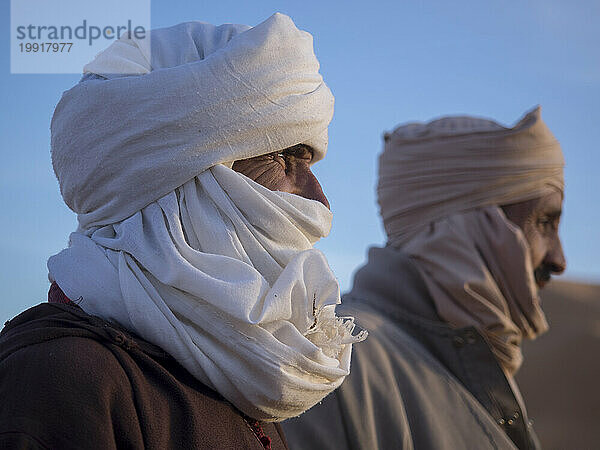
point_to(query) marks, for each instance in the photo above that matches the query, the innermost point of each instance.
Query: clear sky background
(386, 63)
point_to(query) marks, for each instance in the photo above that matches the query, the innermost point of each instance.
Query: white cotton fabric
(440, 188)
(219, 271)
(214, 95)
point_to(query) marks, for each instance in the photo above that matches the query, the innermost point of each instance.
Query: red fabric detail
(258, 432)
(56, 295)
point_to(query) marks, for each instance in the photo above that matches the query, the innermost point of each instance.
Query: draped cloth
(440, 188)
(194, 257)
(212, 95)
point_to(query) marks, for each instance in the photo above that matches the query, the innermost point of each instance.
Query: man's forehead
(550, 203)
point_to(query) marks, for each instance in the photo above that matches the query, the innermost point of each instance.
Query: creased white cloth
(220, 272)
(440, 188)
(214, 95)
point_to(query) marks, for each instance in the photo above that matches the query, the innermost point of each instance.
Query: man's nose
(312, 189)
(555, 258)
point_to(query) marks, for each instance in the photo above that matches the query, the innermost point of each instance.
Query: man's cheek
(537, 248)
(532, 238)
(274, 177)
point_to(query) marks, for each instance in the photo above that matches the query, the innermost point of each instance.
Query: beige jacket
(415, 383)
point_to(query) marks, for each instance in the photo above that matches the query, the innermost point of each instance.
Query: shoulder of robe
(60, 385)
(399, 392)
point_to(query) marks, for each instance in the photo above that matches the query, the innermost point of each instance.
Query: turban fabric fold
(204, 95)
(441, 185)
(453, 164)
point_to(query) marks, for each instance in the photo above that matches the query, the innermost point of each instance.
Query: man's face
(539, 219)
(286, 171)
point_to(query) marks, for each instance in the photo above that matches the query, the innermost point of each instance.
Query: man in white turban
(190, 309)
(471, 210)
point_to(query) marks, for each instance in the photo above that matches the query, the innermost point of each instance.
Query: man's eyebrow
(554, 213)
(300, 150)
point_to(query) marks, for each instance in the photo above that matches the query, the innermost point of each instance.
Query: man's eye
(279, 158)
(547, 223)
(299, 152)
(284, 158)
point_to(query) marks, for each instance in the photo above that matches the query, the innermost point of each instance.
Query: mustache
(543, 273)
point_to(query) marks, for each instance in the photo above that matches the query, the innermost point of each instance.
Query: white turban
(212, 95)
(202, 261)
(440, 188)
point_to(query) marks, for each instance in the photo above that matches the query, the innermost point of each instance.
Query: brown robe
(69, 380)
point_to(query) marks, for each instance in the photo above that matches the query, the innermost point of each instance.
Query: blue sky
(386, 63)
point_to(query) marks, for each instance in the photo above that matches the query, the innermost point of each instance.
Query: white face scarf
(220, 272)
(222, 275)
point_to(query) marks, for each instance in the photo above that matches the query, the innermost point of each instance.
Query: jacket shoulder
(54, 377)
(398, 395)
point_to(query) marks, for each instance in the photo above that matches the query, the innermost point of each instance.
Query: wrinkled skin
(539, 220)
(286, 171)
